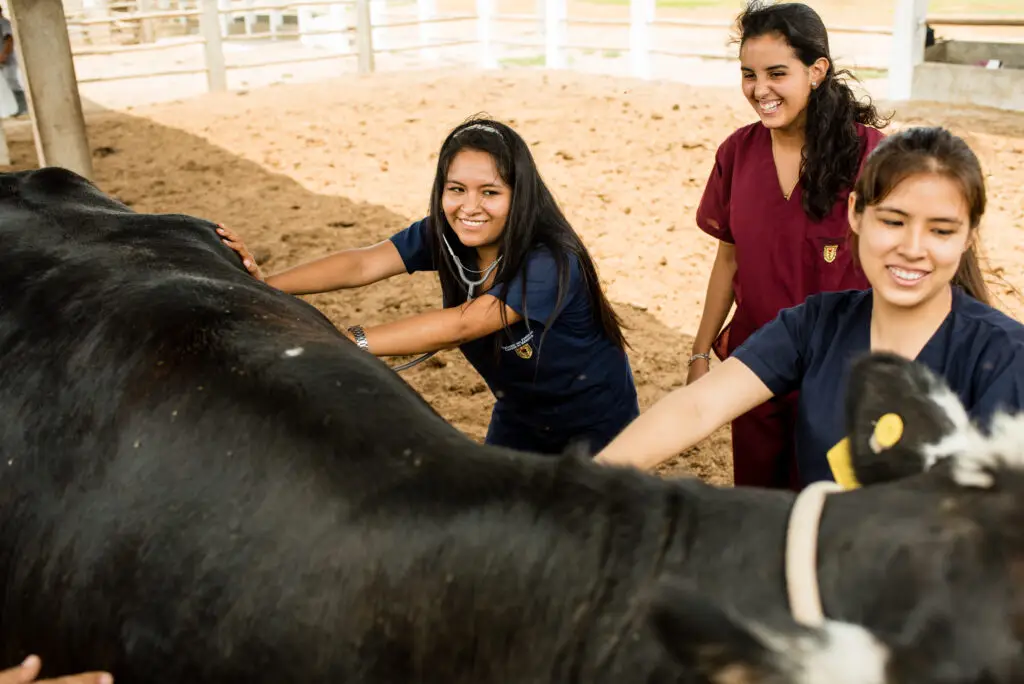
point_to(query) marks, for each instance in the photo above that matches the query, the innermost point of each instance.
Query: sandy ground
(303, 169)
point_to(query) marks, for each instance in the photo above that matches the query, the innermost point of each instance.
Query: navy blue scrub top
(576, 382)
(978, 350)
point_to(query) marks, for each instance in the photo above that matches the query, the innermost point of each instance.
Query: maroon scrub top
(782, 257)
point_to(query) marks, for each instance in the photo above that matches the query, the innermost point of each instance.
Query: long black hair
(534, 220)
(833, 149)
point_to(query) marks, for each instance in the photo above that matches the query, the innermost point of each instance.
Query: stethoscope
(470, 284)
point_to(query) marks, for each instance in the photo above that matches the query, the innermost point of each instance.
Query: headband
(482, 127)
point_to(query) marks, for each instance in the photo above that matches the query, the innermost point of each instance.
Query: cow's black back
(202, 480)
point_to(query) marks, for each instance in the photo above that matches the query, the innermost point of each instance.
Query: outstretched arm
(440, 329)
(338, 271)
(687, 415)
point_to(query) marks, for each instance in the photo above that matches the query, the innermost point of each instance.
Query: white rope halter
(802, 553)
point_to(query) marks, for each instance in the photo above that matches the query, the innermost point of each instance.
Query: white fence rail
(354, 24)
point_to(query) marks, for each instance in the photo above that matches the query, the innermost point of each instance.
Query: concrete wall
(975, 85)
(972, 52)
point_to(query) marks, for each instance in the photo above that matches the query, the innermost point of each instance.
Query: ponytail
(969, 276)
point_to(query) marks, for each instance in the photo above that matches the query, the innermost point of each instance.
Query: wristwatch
(357, 332)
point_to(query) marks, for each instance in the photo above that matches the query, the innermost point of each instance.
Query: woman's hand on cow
(248, 260)
(29, 670)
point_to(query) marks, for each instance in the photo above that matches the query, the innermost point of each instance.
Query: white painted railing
(334, 22)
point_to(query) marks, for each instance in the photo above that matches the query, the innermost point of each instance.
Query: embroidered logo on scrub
(829, 253)
(522, 348)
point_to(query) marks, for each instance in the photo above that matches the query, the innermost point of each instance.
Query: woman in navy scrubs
(520, 295)
(914, 216)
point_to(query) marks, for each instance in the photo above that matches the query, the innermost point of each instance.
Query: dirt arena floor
(304, 169)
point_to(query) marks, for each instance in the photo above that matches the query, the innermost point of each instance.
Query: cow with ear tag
(933, 527)
(203, 481)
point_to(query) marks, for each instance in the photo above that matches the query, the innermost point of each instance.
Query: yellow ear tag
(842, 468)
(888, 431)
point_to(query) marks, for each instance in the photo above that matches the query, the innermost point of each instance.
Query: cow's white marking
(981, 455)
(956, 441)
(841, 654)
(975, 455)
(293, 352)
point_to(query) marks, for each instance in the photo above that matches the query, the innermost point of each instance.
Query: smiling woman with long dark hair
(520, 295)
(776, 201)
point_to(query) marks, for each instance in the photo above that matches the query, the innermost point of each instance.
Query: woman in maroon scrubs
(776, 201)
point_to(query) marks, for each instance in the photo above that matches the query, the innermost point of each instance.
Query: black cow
(202, 481)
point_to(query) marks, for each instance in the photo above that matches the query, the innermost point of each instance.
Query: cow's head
(904, 420)
(723, 648)
(943, 551)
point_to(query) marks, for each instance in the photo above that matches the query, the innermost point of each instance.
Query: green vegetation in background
(867, 74)
(532, 61)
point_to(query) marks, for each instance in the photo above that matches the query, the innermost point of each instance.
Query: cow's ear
(897, 411)
(722, 649)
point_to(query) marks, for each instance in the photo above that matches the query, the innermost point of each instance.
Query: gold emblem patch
(524, 350)
(829, 253)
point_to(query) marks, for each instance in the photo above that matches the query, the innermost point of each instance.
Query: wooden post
(554, 34)
(226, 20)
(364, 37)
(340, 19)
(641, 14)
(209, 26)
(98, 34)
(484, 14)
(427, 10)
(147, 27)
(249, 19)
(378, 17)
(908, 34)
(51, 87)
